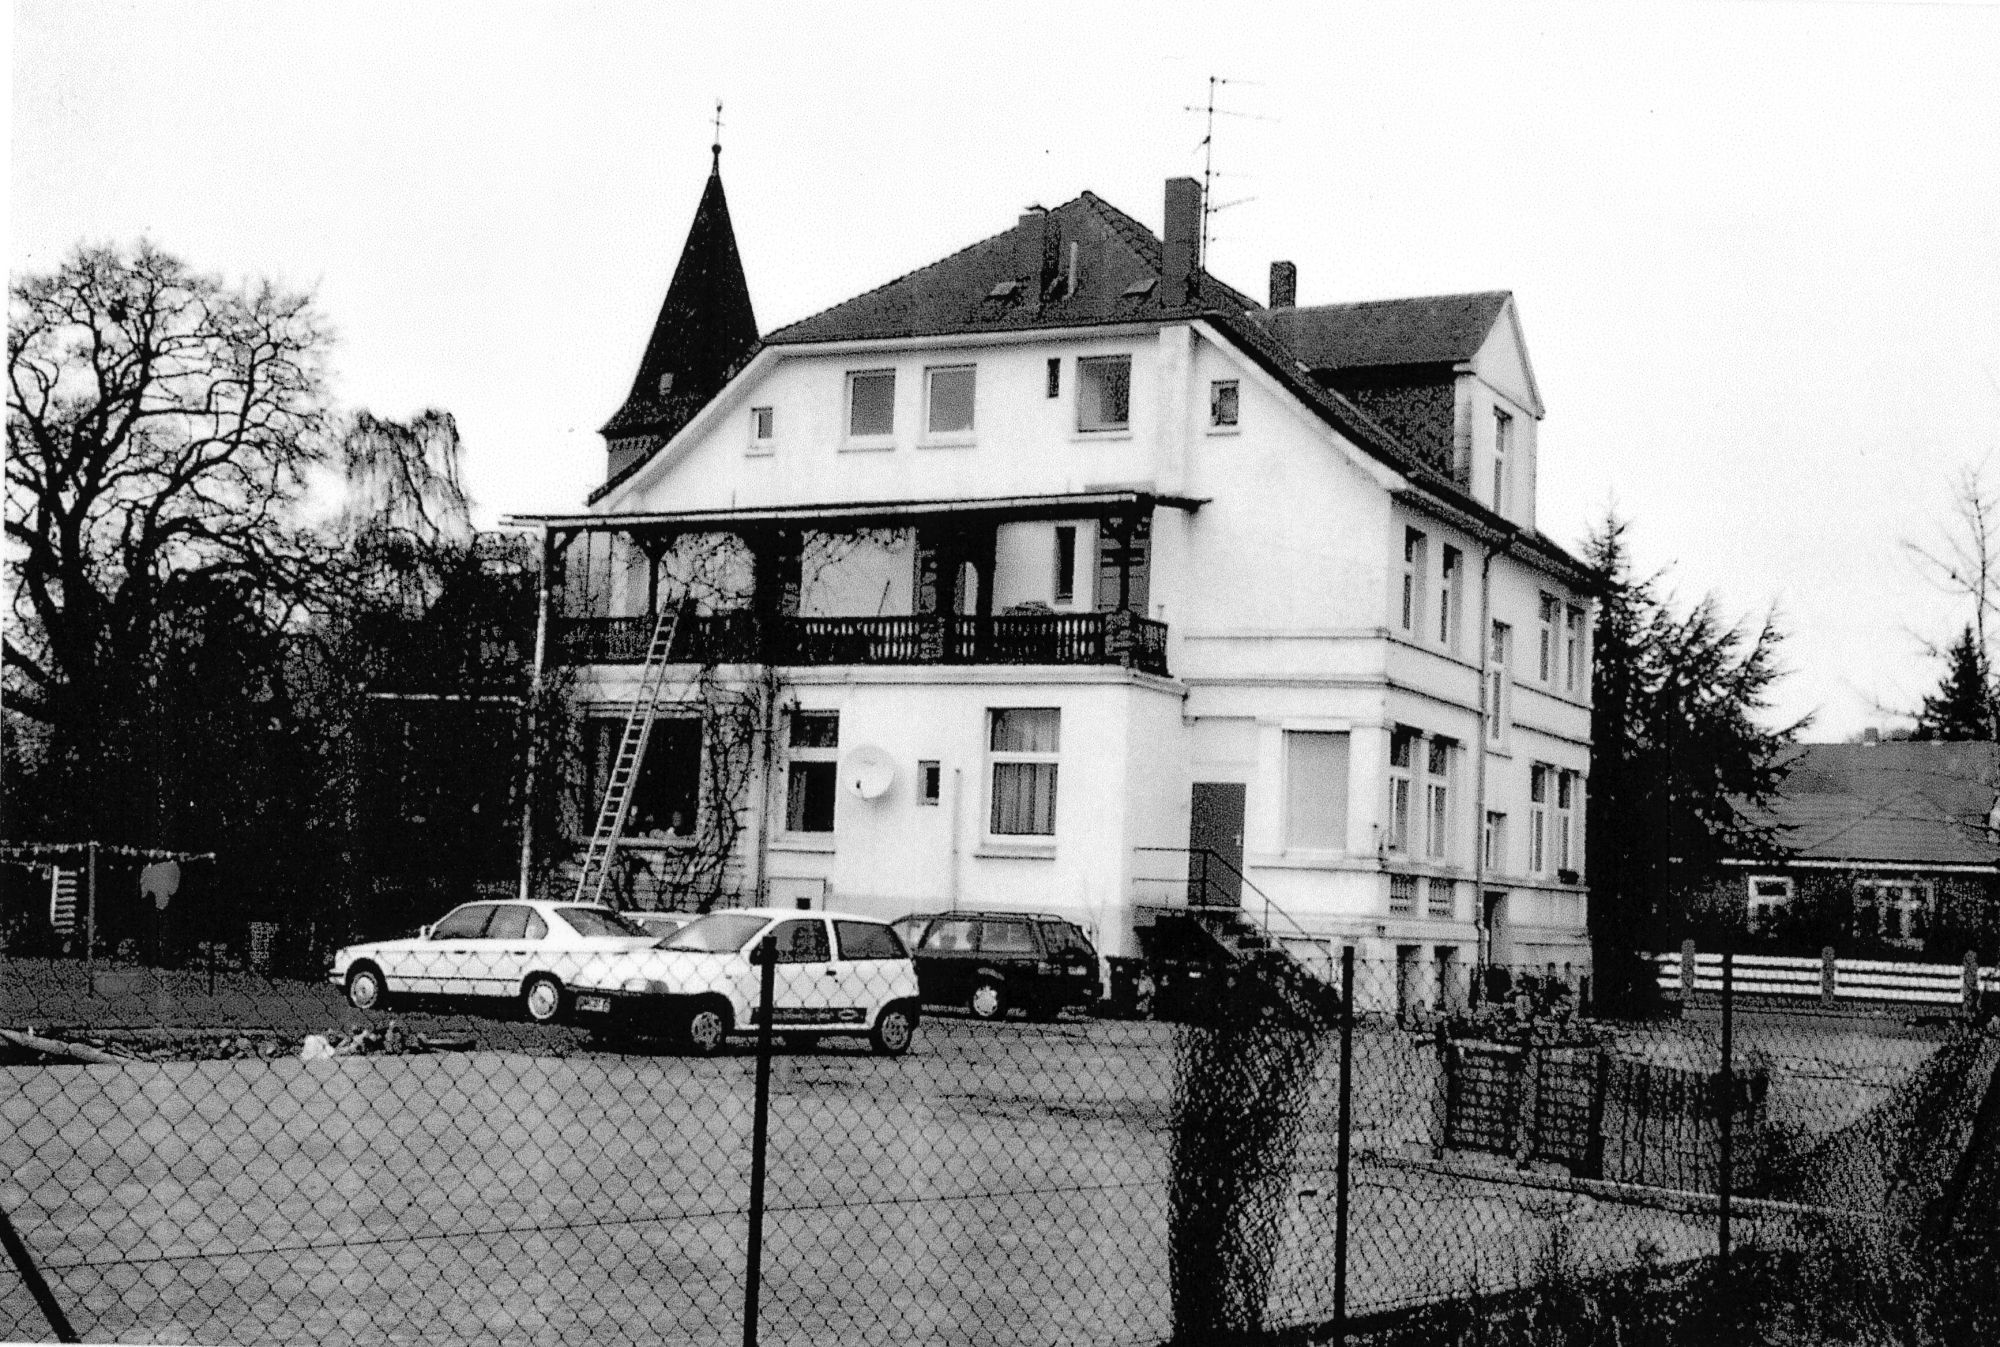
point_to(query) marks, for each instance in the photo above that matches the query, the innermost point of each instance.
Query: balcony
(1114, 638)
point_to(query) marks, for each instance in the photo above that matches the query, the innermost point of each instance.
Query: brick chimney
(1033, 257)
(1181, 242)
(1284, 285)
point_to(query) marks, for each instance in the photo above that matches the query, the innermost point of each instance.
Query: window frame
(930, 782)
(1503, 448)
(1089, 366)
(934, 436)
(997, 758)
(763, 430)
(1451, 572)
(1569, 789)
(806, 764)
(1326, 835)
(1538, 818)
(857, 439)
(1497, 686)
(1760, 909)
(1216, 390)
(1438, 783)
(1493, 842)
(1576, 649)
(1549, 612)
(1402, 789)
(1065, 559)
(1416, 555)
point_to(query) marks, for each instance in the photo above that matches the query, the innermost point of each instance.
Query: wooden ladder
(597, 857)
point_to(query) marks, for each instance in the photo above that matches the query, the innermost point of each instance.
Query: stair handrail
(1270, 907)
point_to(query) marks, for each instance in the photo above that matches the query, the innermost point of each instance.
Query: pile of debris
(27, 1047)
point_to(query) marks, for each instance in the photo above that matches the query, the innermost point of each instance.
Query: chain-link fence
(212, 1155)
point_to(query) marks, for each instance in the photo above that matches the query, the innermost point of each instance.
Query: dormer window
(1104, 392)
(871, 404)
(1503, 447)
(666, 384)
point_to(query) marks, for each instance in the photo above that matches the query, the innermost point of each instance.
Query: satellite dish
(868, 772)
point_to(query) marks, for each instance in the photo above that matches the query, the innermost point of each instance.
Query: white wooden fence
(1829, 980)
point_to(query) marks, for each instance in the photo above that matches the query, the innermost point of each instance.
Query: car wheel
(894, 1028)
(987, 1001)
(542, 999)
(365, 988)
(801, 1042)
(705, 1029)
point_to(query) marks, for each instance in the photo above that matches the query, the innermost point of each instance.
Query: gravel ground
(1003, 1184)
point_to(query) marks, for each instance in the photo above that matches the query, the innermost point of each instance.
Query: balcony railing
(1013, 638)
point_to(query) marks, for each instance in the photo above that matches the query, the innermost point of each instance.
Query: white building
(1135, 591)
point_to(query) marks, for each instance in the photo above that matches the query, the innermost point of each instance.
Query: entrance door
(1215, 844)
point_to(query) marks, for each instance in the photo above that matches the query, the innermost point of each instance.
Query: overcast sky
(1756, 246)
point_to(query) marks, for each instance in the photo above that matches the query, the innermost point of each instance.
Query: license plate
(601, 1004)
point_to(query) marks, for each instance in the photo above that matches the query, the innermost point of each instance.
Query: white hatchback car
(834, 974)
(528, 951)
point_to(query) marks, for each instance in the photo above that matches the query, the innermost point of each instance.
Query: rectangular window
(1441, 899)
(1104, 392)
(1222, 395)
(871, 404)
(1897, 912)
(949, 397)
(1402, 895)
(1538, 819)
(1402, 747)
(813, 746)
(763, 422)
(1024, 743)
(1448, 597)
(1503, 448)
(1574, 649)
(1055, 376)
(1414, 550)
(666, 796)
(1316, 790)
(1494, 842)
(1567, 789)
(1437, 799)
(1496, 698)
(1551, 615)
(1769, 896)
(930, 782)
(1065, 589)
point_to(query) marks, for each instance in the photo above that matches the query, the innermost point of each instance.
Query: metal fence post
(1346, 1131)
(37, 1286)
(1725, 1109)
(753, 1262)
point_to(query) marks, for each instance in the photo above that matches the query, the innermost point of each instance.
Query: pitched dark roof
(706, 330)
(1906, 803)
(970, 290)
(1431, 330)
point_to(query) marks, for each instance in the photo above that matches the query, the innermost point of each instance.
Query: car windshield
(596, 921)
(717, 933)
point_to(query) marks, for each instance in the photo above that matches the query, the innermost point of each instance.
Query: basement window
(1104, 393)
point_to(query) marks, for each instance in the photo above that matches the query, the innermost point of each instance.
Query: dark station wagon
(989, 962)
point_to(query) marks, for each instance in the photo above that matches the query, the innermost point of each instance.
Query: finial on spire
(716, 148)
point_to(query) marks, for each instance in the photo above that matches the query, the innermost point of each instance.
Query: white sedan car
(525, 951)
(834, 974)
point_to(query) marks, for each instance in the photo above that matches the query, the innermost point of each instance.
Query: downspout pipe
(531, 708)
(1491, 546)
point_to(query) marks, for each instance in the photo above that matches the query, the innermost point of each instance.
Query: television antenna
(1208, 170)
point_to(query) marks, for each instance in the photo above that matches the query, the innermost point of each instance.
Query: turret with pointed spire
(705, 333)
